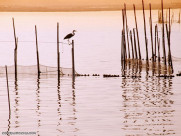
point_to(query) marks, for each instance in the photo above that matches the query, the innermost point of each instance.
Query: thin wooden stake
(121, 46)
(37, 53)
(145, 30)
(158, 43)
(136, 56)
(124, 44)
(159, 50)
(15, 50)
(124, 39)
(166, 16)
(73, 63)
(169, 22)
(127, 30)
(163, 35)
(170, 54)
(131, 39)
(8, 90)
(179, 17)
(15, 58)
(137, 32)
(122, 51)
(155, 43)
(58, 52)
(168, 39)
(151, 33)
(170, 43)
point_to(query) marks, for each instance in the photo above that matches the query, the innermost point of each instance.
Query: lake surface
(88, 106)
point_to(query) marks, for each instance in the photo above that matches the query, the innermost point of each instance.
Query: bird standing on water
(68, 36)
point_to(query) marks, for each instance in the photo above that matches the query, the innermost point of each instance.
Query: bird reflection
(147, 104)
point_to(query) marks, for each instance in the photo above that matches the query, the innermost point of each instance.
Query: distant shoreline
(82, 8)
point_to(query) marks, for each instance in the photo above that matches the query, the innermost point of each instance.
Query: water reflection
(16, 103)
(38, 111)
(9, 124)
(147, 105)
(73, 103)
(59, 106)
(155, 68)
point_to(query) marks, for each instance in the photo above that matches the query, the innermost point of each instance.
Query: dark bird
(68, 36)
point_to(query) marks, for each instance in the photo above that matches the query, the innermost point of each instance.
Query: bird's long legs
(69, 42)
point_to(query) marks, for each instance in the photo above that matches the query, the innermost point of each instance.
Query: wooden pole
(15, 58)
(136, 56)
(155, 42)
(158, 16)
(122, 45)
(179, 17)
(14, 31)
(73, 63)
(8, 90)
(127, 30)
(15, 50)
(151, 33)
(122, 51)
(137, 32)
(166, 16)
(169, 22)
(159, 66)
(170, 42)
(37, 53)
(172, 20)
(170, 54)
(124, 39)
(168, 39)
(58, 52)
(157, 35)
(163, 35)
(145, 31)
(131, 39)
(159, 50)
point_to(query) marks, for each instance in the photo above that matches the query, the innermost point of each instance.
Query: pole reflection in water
(9, 124)
(38, 111)
(66, 123)
(16, 103)
(59, 106)
(73, 103)
(147, 105)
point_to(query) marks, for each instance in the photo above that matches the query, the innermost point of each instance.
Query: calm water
(90, 106)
